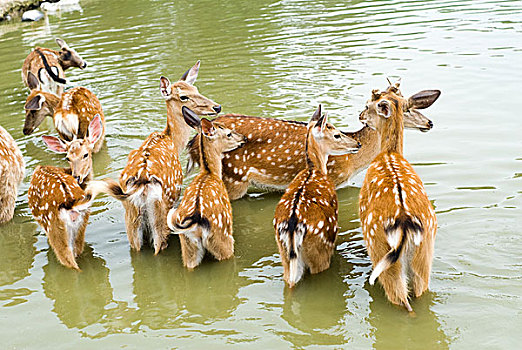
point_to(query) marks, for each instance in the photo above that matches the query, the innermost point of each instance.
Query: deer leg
(132, 224)
(421, 267)
(79, 242)
(317, 255)
(220, 245)
(235, 189)
(7, 204)
(395, 285)
(58, 240)
(160, 230)
(192, 250)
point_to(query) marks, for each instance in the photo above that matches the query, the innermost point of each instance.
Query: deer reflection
(17, 250)
(393, 328)
(167, 293)
(79, 298)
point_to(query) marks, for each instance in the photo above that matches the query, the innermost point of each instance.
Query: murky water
(280, 59)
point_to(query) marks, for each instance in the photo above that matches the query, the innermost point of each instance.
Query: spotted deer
(274, 152)
(305, 219)
(60, 198)
(12, 169)
(153, 174)
(397, 218)
(72, 112)
(203, 219)
(48, 66)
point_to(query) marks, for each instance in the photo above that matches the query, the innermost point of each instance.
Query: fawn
(397, 218)
(12, 169)
(60, 198)
(153, 174)
(274, 152)
(203, 219)
(305, 218)
(72, 112)
(48, 66)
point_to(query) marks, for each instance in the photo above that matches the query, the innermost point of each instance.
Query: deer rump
(403, 234)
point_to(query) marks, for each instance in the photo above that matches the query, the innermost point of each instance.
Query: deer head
(68, 57)
(413, 119)
(330, 140)
(215, 134)
(184, 93)
(38, 105)
(79, 151)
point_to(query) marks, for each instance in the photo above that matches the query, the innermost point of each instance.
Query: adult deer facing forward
(397, 218)
(274, 152)
(305, 219)
(204, 217)
(153, 174)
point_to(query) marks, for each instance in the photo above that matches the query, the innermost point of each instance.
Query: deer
(12, 170)
(49, 65)
(72, 111)
(60, 198)
(305, 218)
(397, 219)
(153, 175)
(273, 154)
(203, 219)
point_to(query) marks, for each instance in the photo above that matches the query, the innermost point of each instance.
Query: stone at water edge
(32, 15)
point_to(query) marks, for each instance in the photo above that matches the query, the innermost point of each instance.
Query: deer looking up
(153, 174)
(305, 219)
(397, 218)
(60, 198)
(48, 66)
(203, 219)
(72, 112)
(274, 152)
(12, 168)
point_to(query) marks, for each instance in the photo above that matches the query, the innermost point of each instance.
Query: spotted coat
(12, 169)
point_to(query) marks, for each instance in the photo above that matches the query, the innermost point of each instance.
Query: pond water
(279, 59)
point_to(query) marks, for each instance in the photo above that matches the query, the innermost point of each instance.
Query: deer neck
(316, 157)
(176, 128)
(209, 159)
(392, 135)
(52, 101)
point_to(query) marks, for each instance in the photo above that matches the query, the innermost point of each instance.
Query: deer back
(72, 116)
(156, 159)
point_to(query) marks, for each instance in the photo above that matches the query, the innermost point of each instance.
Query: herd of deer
(309, 160)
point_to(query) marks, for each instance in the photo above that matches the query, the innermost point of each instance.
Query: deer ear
(55, 144)
(35, 104)
(207, 128)
(62, 43)
(317, 114)
(190, 117)
(165, 87)
(423, 99)
(191, 75)
(32, 81)
(384, 108)
(95, 130)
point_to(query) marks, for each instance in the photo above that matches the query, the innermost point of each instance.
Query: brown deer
(153, 174)
(397, 218)
(203, 219)
(12, 168)
(72, 112)
(305, 218)
(273, 154)
(60, 198)
(49, 65)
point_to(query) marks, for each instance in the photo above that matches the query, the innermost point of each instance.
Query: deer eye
(85, 155)
(67, 159)
(184, 98)
(337, 136)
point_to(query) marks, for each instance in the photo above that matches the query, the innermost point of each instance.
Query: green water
(280, 59)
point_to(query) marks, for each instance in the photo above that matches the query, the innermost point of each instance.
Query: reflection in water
(168, 294)
(17, 250)
(393, 328)
(79, 298)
